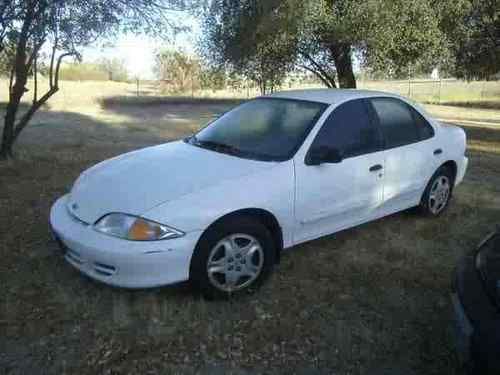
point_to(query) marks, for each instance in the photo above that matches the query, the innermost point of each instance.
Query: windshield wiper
(215, 146)
(227, 149)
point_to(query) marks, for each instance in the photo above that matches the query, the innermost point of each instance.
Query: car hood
(135, 182)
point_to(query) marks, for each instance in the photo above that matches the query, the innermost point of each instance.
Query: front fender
(271, 190)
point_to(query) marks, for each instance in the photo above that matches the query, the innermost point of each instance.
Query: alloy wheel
(235, 262)
(439, 194)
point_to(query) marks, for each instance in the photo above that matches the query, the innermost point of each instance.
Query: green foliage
(265, 40)
(256, 39)
(401, 36)
(212, 79)
(6, 59)
(477, 49)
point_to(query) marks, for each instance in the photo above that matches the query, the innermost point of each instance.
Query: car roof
(329, 96)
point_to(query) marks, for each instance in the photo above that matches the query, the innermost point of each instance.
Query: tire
(438, 192)
(233, 257)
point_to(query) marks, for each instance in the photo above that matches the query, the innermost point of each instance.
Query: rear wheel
(233, 257)
(437, 194)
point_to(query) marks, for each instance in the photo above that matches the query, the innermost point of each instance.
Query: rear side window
(425, 130)
(396, 122)
(350, 130)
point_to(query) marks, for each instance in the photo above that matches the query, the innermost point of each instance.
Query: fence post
(137, 86)
(439, 92)
(409, 81)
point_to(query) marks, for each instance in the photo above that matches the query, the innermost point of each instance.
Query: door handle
(438, 151)
(376, 167)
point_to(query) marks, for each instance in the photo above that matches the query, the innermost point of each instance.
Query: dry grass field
(369, 300)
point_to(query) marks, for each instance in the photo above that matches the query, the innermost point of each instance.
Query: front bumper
(118, 262)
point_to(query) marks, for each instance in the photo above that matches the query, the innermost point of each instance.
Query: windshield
(263, 129)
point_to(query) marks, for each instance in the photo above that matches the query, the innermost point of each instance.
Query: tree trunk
(16, 91)
(342, 56)
(8, 136)
(6, 148)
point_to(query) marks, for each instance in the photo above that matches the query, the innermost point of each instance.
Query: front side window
(349, 130)
(396, 122)
(263, 129)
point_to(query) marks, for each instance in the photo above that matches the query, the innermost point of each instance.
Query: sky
(138, 51)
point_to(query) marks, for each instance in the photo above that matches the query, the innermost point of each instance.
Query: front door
(334, 196)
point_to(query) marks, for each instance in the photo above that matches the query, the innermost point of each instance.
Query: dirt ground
(369, 300)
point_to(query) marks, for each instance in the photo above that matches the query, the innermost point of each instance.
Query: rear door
(409, 146)
(333, 196)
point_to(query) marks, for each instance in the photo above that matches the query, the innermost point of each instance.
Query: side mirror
(323, 154)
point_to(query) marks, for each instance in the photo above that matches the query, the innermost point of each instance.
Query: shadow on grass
(60, 128)
(482, 134)
(166, 112)
(63, 130)
(113, 101)
(23, 107)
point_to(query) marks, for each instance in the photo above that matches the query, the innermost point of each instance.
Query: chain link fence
(445, 91)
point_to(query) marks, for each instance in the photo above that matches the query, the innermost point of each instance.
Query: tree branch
(34, 53)
(35, 79)
(318, 74)
(52, 58)
(58, 67)
(24, 120)
(319, 69)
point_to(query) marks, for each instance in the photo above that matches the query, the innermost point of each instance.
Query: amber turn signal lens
(141, 230)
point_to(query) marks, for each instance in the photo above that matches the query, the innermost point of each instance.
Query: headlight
(135, 228)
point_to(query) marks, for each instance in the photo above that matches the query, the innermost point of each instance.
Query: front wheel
(437, 194)
(232, 257)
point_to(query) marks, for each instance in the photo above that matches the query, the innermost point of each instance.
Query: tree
(475, 38)
(250, 38)
(404, 36)
(321, 36)
(177, 70)
(212, 78)
(114, 68)
(64, 25)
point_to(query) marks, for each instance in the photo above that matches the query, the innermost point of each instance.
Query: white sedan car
(218, 208)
